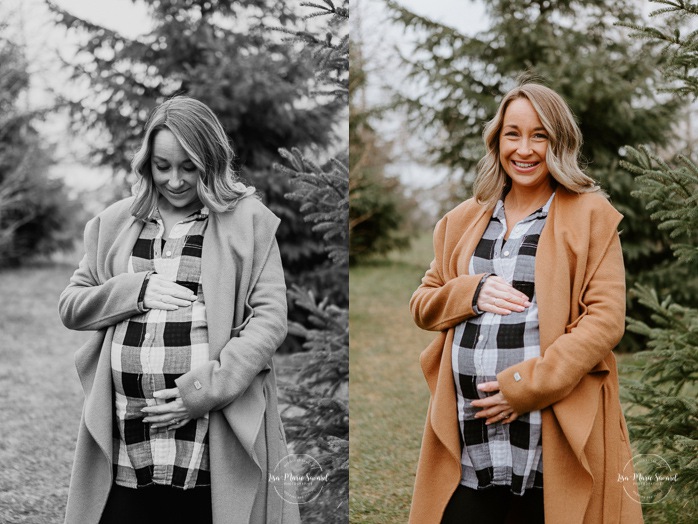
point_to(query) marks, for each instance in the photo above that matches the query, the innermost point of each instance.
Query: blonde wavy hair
(564, 146)
(203, 138)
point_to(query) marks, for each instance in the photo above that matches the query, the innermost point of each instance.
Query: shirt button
(480, 337)
(147, 336)
(506, 253)
(168, 254)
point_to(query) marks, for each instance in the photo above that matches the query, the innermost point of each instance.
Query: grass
(40, 395)
(388, 393)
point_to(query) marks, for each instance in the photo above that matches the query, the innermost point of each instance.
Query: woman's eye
(540, 136)
(190, 169)
(161, 167)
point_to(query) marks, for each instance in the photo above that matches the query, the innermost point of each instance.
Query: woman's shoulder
(594, 205)
(464, 212)
(249, 210)
(119, 208)
(114, 214)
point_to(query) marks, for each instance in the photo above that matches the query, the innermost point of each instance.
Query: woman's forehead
(166, 145)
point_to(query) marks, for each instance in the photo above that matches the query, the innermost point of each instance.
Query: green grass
(388, 393)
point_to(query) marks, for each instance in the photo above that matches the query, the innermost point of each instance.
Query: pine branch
(323, 194)
(671, 194)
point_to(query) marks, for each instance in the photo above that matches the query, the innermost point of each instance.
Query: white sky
(33, 25)
(385, 70)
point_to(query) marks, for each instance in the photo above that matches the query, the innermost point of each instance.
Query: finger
(489, 402)
(508, 302)
(511, 418)
(180, 423)
(494, 411)
(500, 417)
(496, 303)
(494, 309)
(165, 302)
(178, 291)
(166, 422)
(509, 292)
(492, 385)
(160, 285)
(167, 393)
(169, 407)
(179, 302)
(159, 418)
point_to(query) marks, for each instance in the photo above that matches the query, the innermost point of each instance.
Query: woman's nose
(175, 179)
(524, 147)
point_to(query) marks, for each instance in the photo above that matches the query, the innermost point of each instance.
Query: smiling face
(174, 174)
(523, 143)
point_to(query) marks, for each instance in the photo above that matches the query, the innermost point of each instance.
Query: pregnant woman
(527, 290)
(183, 285)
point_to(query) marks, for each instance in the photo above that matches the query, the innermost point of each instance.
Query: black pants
(157, 504)
(493, 506)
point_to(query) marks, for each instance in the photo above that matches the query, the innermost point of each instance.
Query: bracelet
(141, 295)
(476, 309)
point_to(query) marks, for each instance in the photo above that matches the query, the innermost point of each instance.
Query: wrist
(141, 296)
(476, 295)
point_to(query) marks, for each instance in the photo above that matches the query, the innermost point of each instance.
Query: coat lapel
(444, 396)
(116, 260)
(219, 286)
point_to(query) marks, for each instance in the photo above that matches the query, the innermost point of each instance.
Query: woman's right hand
(161, 293)
(500, 297)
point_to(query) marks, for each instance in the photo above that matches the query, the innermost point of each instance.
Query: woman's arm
(219, 382)
(88, 304)
(439, 304)
(537, 383)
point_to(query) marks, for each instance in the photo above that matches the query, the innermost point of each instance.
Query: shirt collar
(199, 214)
(541, 212)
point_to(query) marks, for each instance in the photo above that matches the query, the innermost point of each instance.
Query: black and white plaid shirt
(500, 454)
(149, 352)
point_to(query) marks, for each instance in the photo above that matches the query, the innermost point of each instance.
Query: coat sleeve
(539, 382)
(218, 382)
(440, 303)
(87, 303)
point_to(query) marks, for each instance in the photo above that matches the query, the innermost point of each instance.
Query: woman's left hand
(495, 408)
(172, 415)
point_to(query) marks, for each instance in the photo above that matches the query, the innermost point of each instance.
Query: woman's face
(174, 174)
(523, 142)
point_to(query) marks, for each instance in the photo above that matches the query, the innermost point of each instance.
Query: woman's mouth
(524, 165)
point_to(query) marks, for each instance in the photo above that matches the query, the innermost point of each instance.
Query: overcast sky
(33, 23)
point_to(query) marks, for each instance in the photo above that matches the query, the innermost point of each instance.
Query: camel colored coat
(580, 290)
(245, 293)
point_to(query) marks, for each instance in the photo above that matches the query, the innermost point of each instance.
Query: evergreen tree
(36, 215)
(317, 420)
(666, 417)
(608, 80)
(221, 53)
(377, 205)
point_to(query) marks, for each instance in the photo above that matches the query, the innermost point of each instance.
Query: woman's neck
(521, 199)
(179, 213)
